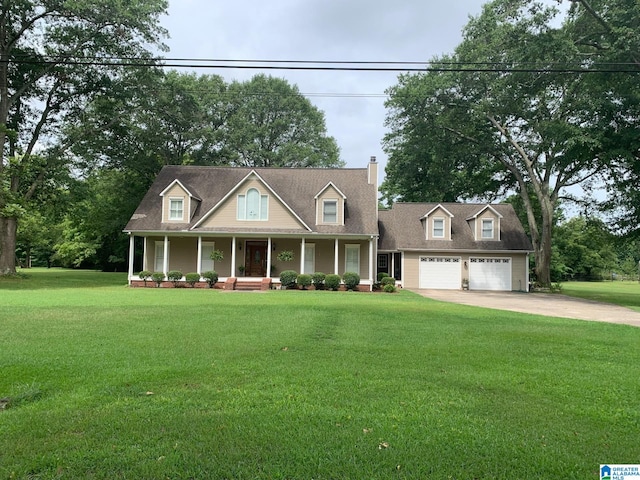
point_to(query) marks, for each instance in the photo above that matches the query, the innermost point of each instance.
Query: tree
(54, 57)
(606, 32)
(585, 248)
(176, 118)
(272, 125)
(511, 119)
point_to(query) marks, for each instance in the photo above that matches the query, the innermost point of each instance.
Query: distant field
(103, 381)
(626, 294)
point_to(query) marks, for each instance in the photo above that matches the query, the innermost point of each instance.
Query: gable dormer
(330, 206)
(251, 203)
(178, 203)
(437, 223)
(485, 224)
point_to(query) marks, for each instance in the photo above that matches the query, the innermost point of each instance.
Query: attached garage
(440, 272)
(487, 273)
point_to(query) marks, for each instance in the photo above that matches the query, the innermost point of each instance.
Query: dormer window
(176, 208)
(253, 206)
(438, 228)
(330, 211)
(487, 228)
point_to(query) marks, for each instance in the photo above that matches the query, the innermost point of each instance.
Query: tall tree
(607, 32)
(54, 57)
(516, 119)
(272, 125)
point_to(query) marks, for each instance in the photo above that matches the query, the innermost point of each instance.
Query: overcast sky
(335, 30)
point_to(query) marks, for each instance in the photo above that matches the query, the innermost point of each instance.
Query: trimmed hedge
(318, 280)
(211, 277)
(304, 280)
(332, 281)
(288, 278)
(192, 278)
(389, 281)
(174, 276)
(351, 280)
(145, 275)
(157, 277)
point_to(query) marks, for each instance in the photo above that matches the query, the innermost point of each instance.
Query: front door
(255, 261)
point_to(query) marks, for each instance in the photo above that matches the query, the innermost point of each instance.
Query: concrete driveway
(551, 305)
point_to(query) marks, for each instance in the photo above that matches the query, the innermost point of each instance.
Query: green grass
(626, 294)
(103, 381)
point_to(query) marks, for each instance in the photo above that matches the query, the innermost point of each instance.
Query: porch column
(199, 260)
(269, 257)
(144, 254)
(165, 260)
(233, 257)
(371, 274)
(302, 256)
(335, 254)
(131, 251)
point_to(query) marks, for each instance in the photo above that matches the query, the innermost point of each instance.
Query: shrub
(288, 278)
(351, 280)
(145, 275)
(389, 288)
(211, 277)
(157, 277)
(332, 281)
(174, 276)
(192, 278)
(388, 281)
(304, 280)
(382, 275)
(318, 280)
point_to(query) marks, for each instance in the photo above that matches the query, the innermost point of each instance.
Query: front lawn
(626, 294)
(111, 382)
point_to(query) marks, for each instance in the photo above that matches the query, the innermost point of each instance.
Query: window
(487, 228)
(206, 264)
(309, 258)
(159, 256)
(253, 206)
(329, 211)
(438, 228)
(176, 208)
(352, 258)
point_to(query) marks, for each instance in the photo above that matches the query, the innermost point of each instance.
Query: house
(448, 245)
(326, 217)
(329, 219)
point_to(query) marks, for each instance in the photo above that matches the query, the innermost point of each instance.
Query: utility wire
(326, 65)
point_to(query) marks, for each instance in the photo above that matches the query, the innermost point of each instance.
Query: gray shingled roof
(297, 187)
(401, 228)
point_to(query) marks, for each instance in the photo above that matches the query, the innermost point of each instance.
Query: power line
(333, 65)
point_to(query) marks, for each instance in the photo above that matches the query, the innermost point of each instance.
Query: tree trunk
(8, 230)
(543, 249)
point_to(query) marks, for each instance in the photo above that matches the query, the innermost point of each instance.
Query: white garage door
(440, 272)
(489, 273)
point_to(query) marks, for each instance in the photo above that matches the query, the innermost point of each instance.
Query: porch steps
(248, 286)
(252, 285)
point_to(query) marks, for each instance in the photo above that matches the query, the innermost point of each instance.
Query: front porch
(248, 259)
